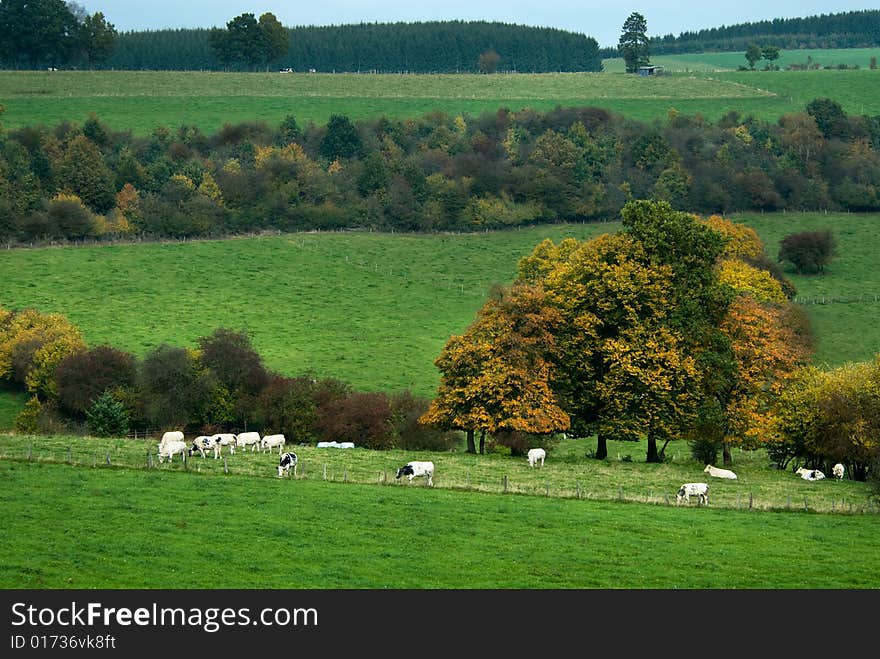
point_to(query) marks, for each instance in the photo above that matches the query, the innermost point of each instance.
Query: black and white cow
(415, 469)
(285, 463)
(204, 443)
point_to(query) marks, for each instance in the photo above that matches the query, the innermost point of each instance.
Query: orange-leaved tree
(496, 376)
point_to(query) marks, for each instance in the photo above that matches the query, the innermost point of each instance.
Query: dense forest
(854, 29)
(429, 47)
(432, 173)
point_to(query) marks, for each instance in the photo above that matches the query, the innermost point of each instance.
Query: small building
(650, 70)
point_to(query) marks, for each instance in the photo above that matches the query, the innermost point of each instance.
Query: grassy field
(127, 526)
(140, 101)
(701, 62)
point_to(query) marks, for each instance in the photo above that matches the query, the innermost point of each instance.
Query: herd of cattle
(172, 443)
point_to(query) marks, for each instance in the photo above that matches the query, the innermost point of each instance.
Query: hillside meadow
(140, 101)
(373, 309)
(72, 520)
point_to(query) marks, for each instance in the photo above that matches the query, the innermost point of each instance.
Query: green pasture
(90, 524)
(372, 309)
(140, 101)
(703, 62)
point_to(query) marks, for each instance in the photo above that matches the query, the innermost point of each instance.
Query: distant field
(141, 101)
(125, 526)
(732, 61)
(372, 309)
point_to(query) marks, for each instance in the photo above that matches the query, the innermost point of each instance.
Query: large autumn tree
(496, 375)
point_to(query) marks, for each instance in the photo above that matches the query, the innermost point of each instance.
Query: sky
(601, 20)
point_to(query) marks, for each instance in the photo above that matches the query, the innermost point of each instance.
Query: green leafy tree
(753, 54)
(488, 61)
(275, 38)
(634, 44)
(97, 38)
(770, 53)
(808, 251)
(341, 139)
(37, 33)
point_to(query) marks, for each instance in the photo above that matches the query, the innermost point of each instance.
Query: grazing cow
(225, 439)
(536, 454)
(170, 448)
(810, 474)
(246, 439)
(415, 469)
(204, 443)
(171, 435)
(719, 473)
(286, 463)
(271, 441)
(688, 490)
(838, 471)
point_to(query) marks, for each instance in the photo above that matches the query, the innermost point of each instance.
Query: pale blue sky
(600, 20)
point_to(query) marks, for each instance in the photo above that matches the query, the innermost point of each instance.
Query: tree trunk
(725, 450)
(471, 448)
(601, 447)
(482, 441)
(653, 455)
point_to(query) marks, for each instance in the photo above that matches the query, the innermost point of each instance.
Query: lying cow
(810, 474)
(415, 469)
(170, 448)
(286, 463)
(688, 490)
(719, 473)
(536, 454)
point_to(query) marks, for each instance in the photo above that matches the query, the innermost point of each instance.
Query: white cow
(536, 454)
(225, 439)
(688, 490)
(335, 445)
(810, 474)
(286, 463)
(719, 473)
(271, 441)
(415, 469)
(838, 471)
(171, 435)
(170, 448)
(245, 439)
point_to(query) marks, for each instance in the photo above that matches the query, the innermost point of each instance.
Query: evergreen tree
(634, 45)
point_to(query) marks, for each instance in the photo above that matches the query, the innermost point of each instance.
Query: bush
(808, 251)
(27, 420)
(108, 417)
(412, 435)
(705, 450)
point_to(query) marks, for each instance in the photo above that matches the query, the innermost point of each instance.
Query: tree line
(433, 173)
(421, 47)
(852, 29)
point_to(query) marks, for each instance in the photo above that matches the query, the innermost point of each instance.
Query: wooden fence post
(578, 489)
(344, 474)
(107, 455)
(225, 466)
(620, 492)
(30, 452)
(806, 507)
(505, 483)
(325, 471)
(69, 458)
(750, 500)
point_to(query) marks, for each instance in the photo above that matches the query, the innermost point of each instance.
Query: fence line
(503, 486)
(837, 299)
